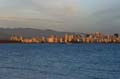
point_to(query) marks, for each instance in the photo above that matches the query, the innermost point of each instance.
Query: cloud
(56, 7)
(70, 15)
(29, 22)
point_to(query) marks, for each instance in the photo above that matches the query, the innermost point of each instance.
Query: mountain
(29, 32)
(4, 35)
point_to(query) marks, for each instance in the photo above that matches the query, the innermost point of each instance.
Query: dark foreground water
(59, 61)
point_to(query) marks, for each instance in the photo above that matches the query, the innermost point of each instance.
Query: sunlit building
(88, 38)
(50, 39)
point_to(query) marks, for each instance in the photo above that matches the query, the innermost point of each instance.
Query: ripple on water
(60, 61)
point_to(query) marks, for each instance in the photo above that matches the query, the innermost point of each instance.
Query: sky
(62, 15)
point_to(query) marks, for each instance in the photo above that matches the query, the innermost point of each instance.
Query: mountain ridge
(5, 33)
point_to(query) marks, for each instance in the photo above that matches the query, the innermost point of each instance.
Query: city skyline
(61, 15)
(69, 38)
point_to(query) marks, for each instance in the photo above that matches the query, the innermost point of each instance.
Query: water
(60, 61)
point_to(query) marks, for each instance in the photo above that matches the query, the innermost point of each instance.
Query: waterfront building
(27, 41)
(61, 40)
(88, 38)
(66, 38)
(50, 39)
(43, 39)
(35, 40)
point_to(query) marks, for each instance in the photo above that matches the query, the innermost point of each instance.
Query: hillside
(28, 32)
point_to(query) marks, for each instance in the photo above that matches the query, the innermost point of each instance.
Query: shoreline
(8, 41)
(18, 42)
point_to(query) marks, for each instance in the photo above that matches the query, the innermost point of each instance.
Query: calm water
(59, 61)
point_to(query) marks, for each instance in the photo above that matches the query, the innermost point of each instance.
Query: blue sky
(62, 15)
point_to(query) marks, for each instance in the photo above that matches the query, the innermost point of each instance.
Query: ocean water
(59, 61)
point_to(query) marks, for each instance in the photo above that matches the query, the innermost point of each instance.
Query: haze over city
(62, 15)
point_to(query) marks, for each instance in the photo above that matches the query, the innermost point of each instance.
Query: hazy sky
(62, 15)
